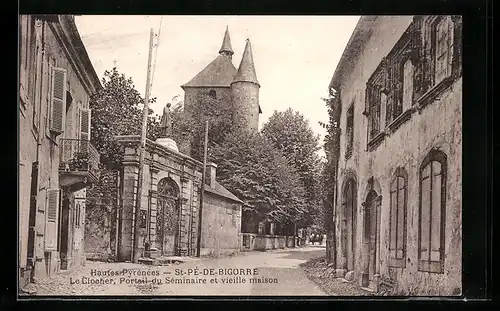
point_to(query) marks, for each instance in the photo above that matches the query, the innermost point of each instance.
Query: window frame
(376, 85)
(349, 143)
(427, 265)
(398, 262)
(403, 50)
(429, 87)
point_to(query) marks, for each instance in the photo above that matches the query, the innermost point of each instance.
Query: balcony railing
(78, 155)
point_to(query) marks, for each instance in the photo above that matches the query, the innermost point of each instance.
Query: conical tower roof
(246, 71)
(226, 44)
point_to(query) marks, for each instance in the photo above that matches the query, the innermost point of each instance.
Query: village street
(241, 276)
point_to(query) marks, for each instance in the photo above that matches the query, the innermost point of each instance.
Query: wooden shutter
(393, 218)
(425, 206)
(58, 100)
(84, 124)
(400, 218)
(52, 216)
(450, 43)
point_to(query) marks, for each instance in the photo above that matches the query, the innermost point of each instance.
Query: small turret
(245, 88)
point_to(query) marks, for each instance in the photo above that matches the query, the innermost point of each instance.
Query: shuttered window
(407, 85)
(52, 216)
(444, 49)
(432, 212)
(349, 131)
(397, 220)
(84, 124)
(58, 100)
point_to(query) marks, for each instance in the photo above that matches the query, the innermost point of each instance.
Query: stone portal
(170, 200)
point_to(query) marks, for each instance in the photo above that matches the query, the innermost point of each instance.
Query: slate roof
(223, 192)
(246, 70)
(219, 73)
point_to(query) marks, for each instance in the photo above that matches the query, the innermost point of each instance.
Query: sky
(295, 56)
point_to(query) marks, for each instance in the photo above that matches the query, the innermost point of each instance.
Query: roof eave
(253, 82)
(349, 54)
(215, 192)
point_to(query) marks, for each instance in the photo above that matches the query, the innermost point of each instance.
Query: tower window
(212, 94)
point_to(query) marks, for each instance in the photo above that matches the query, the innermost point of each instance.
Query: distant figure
(166, 122)
(320, 239)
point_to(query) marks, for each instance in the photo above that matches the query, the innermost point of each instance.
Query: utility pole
(203, 177)
(142, 151)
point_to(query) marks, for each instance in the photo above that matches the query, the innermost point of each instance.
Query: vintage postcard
(240, 155)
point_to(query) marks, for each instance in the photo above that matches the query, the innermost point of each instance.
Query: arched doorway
(167, 217)
(349, 211)
(371, 208)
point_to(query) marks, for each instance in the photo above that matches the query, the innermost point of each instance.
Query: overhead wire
(155, 55)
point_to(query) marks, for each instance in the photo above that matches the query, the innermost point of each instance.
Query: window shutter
(51, 224)
(393, 219)
(450, 44)
(58, 100)
(84, 124)
(425, 206)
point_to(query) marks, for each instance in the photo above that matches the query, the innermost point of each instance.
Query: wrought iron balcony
(79, 163)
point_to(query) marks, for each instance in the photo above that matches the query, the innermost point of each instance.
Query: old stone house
(56, 160)
(221, 217)
(398, 208)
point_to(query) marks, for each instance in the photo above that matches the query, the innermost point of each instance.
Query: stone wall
(221, 225)
(438, 125)
(192, 95)
(101, 217)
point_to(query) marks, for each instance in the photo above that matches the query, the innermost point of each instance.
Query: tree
(117, 110)
(215, 110)
(291, 133)
(260, 175)
(332, 150)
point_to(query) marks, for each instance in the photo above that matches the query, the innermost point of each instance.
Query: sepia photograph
(240, 155)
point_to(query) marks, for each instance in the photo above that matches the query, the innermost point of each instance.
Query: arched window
(397, 218)
(432, 203)
(167, 187)
(212, 93)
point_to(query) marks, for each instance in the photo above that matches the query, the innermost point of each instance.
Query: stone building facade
(237, 87)
(56, 160)
(398, 208)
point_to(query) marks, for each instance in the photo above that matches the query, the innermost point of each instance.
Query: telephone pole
(142, 149)
(203, 178)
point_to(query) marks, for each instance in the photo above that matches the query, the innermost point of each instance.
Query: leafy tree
(191, 121)
(260, 175)
(332, 151)
(291, 133)
(117, 110)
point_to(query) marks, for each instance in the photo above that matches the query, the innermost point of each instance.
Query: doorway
(349, 221)
(371, 205)
(167, 218)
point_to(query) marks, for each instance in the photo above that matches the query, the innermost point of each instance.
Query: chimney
(210, 174)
